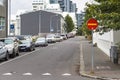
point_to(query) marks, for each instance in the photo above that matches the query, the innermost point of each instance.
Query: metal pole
(92, 54)
(39, 23)
(50, 23)
(51, 28)
(7, 10)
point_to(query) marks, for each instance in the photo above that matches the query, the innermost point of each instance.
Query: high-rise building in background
(39, 5)
(80, 18)
(65, 5)
(53, 1)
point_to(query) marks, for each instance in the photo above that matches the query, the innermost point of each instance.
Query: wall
(104, 41)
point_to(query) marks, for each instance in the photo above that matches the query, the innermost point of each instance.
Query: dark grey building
(65, 5)
(42, 22)
(3, 18)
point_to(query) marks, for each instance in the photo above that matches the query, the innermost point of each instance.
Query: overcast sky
(27, 5)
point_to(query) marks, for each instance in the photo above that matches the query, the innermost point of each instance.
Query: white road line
(66, 74)
(103, 67)
(17, 57)
(7, 74)
(46, 74)
(27, 74)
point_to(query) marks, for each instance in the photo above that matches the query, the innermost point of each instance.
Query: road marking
(103, 67)
(18, 57)
(46, 74)
(7, 74)
(27, 74)
(66, 74)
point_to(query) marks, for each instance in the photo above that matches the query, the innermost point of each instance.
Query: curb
(96, 77)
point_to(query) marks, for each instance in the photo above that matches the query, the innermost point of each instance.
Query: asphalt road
(58, 61)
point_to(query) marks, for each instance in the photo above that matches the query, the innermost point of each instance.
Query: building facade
(80, 18)
(65, 5)
(41, 22)
(3, 18)
(39, 5)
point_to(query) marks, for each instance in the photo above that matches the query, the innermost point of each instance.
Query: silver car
(41, 42)
(51, 38)
(3, 51)
(26, 45)
(12, 46)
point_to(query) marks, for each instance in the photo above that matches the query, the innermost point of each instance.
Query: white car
(51, 38)
(58, 38)
(12, 46)
(3, 51)
(41, 42)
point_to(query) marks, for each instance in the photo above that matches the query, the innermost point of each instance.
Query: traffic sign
(12, 26)
(92, 24)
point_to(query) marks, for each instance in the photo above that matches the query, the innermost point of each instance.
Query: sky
(27, 5)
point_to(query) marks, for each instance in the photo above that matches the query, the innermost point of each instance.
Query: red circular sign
(92, 24)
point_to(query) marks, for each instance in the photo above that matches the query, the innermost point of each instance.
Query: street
(58, 61)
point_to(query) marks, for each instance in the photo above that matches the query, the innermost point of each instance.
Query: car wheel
(13, 54)
(17, 54)
(30, 49)
(7, 56)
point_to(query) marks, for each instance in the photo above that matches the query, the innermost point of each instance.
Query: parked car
(26, 45)
(41, 42)
(58, 38)
(28, 37)
(70, 35)
(3, 51)
(64, 36)
(12, 45)
(18, 37)
(51, 38)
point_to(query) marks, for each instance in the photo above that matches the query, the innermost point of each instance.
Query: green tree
(70, 24)
(107, 12)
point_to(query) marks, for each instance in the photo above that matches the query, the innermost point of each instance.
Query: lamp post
(39, 23)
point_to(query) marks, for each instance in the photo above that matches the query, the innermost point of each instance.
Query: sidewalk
(103, 68)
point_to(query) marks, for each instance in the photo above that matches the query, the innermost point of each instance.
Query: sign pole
(92, 25)
(92, 70)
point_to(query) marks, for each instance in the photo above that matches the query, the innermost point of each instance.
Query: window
(34, 6)
(2, 23)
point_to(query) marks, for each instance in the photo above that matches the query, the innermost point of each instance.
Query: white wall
(105, 41)
(116, 36)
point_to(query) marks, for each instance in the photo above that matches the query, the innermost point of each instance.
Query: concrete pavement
(104, 69)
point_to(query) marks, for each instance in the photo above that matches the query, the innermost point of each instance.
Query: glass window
(2, 23)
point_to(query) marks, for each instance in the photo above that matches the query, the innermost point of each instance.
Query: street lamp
(39, 23)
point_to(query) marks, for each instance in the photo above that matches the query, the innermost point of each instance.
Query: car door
(2, 50)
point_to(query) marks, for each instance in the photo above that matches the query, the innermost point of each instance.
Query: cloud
(20, 5)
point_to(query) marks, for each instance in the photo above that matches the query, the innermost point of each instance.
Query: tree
(70, 24)
(107, 12)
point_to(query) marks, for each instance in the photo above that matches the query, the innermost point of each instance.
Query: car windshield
(41, 39)
(8, 41)
(20, 37)
(25, 42)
